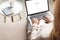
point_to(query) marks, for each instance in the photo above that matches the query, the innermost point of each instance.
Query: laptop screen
(36, 6)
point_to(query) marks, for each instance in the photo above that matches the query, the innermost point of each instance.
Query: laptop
(36, 8)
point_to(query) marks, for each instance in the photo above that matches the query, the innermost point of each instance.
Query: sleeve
(51, 16)
(35, 32)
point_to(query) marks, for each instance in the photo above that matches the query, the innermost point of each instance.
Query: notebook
(7, 11)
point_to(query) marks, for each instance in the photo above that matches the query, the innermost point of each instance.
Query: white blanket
(42, 30)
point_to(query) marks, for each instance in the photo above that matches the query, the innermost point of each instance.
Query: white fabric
(35, 33)
(44, 29)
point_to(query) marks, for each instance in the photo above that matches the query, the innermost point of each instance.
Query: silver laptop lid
(36, 6)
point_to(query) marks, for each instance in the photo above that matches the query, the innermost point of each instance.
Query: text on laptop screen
(35, 6)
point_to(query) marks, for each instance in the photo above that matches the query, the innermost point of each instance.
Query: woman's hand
(47, 19)
(35, 21)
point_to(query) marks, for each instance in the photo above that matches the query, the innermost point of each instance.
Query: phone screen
(36, 6)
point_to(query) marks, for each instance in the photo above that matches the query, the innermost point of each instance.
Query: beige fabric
(13, 30)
